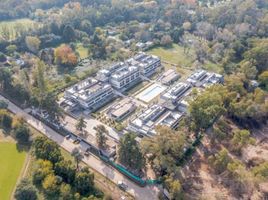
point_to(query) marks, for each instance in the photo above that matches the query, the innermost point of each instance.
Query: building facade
(90, 94)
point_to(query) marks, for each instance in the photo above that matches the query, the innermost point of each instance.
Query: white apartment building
(177, 91)
(148, 64)
(90, 94)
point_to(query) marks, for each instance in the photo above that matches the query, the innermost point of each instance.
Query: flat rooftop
(122, 108)
(177, 91)
(151, 93)
(169, 76)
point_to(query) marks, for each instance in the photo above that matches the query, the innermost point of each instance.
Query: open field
(9, 30)
(82, 51)
(11, 164)
(174, 55)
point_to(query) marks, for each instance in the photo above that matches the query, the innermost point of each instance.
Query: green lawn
(82, 51)
(11, 164)
(174, 54)
(10, 29)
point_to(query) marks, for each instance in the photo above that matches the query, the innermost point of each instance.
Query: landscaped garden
(11, 165)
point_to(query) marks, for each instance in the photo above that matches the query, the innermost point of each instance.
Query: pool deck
(150, 93)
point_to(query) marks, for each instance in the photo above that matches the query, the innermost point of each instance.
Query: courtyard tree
(81, 124)
(101, 138)
(25, 191)
(130, 153)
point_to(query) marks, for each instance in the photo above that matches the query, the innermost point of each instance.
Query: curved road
(141, 193)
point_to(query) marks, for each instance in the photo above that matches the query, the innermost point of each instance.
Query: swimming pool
(151, 92)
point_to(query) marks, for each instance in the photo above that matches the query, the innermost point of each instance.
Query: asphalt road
(141, 193)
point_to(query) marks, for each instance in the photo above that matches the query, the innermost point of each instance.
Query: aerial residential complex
(162, 102)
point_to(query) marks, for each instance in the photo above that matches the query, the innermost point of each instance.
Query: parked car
(122, 185)
(68, 136)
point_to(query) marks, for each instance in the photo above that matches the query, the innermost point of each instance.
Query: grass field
(82, 51)
(175, 55)
(9, 30)
(11, 164)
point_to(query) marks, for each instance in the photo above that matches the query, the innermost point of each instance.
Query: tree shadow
(25, 147)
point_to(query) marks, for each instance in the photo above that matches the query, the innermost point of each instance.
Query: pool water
(151, 92)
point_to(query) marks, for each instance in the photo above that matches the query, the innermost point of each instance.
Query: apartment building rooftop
(122, 109)
(124, 71)
(146, 122)
(177, 91)
(169, 77)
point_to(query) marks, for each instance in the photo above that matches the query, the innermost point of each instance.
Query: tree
(66, 192)
(174, 188)
(25, 191)
(5, 79)
(206, 108)
(249, 70)
(65, 56)
(164, 150)
(220, 161)
(68, 33)
(5, 119)
(259, 54)
(261, 170)
(166, 40)
(100, 136)
(77, 156)
(11, 49)
(3, 104)
(22, 133)
(84, 182)
(241, 138)
(81, 124)
(3, 58)
(263, 79)
(41, 170)
(130, 153)
(32, 43)
(51, 186)
(47, 150)
(66, 170)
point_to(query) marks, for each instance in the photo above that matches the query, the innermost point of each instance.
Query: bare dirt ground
(259, 151)
(201, 182)
(5, 138)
